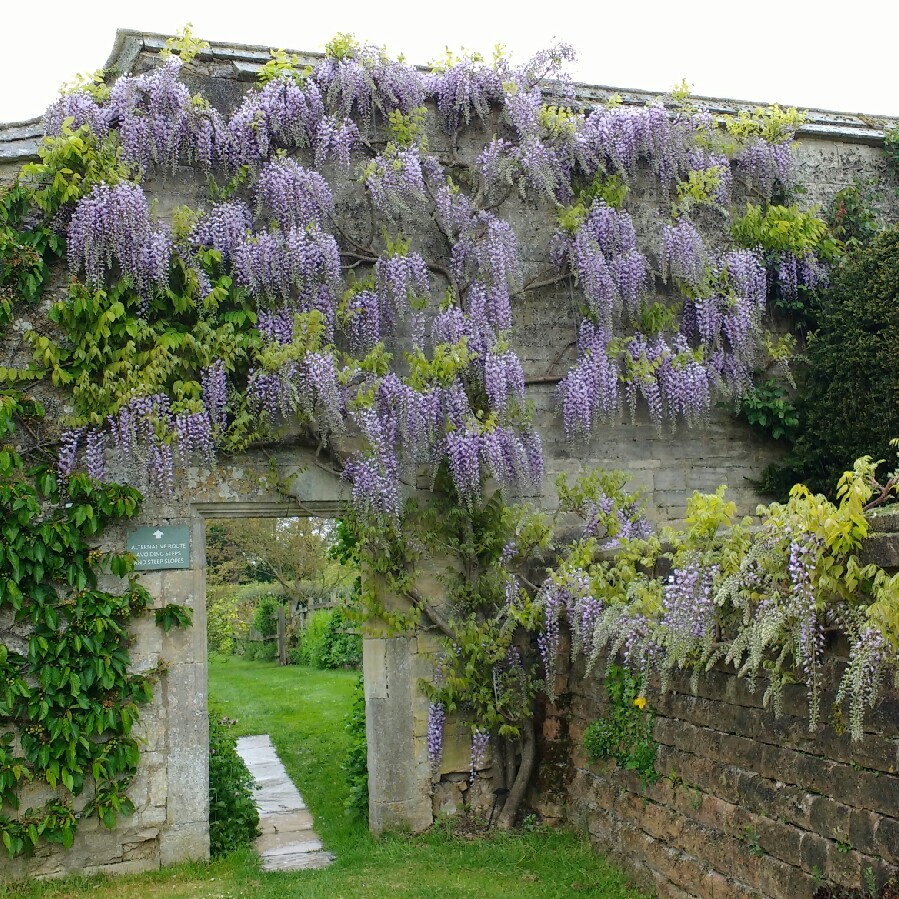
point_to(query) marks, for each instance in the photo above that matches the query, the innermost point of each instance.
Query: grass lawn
(304, 710)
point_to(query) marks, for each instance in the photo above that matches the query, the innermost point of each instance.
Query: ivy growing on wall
(69, 701)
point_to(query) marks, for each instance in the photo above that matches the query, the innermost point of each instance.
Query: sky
(795, 52)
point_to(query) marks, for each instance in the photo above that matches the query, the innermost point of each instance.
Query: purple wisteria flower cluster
(615, 139)
(765, 165)
(308, 387)
(591, 389)
(670, 377)
(365, 80)
(401, 279)
(436, 719)
(565, 595)
(603, 255)
(395, 179)
(470, 87)
(294, 196)
(512, 459)
(285, 114)
(146, 431)
(111, 226)
(214, 381)
(480, 740)
(159, 122)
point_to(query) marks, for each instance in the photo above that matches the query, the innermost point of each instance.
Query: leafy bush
(226, 628)
(768, 409)
(261, 650)
(625, 734)
(233, 818)
(265, 618)
(850, 398)
(328, 642)
(356, 765)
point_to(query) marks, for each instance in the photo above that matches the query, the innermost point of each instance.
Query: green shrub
(356, 765)
(226, 628)
(233, 818)
(261, 650)
(265, 618)
(849, 402)
(328, 642)
(625, 733)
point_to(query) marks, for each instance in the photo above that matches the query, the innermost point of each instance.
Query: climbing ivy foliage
(68, 699)
(351, 278)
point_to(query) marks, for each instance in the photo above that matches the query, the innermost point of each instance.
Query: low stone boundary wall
(748, 804)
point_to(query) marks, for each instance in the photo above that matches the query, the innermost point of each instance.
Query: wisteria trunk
(506, 819)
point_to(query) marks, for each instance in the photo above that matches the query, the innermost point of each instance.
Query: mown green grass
(304, 710)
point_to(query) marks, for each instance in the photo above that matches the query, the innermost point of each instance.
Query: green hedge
(849, 401)
(329, 641)
(233, 818)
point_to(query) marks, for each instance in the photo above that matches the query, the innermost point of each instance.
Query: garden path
(288, 842)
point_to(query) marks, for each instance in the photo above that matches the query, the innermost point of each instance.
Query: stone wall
(748, 804)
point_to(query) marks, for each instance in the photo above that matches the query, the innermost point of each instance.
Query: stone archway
(286, 482)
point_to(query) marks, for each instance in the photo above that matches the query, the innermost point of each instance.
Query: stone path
(288, 842)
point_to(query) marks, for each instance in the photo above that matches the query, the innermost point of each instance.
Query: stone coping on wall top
(19, 140)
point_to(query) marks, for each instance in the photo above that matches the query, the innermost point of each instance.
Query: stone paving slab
(289, 822)
(288, 842)
(299, 862)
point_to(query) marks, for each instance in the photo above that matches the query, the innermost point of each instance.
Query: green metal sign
(164, 546)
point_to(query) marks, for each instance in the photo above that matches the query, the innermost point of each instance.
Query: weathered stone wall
(748, 804)
(170, 792)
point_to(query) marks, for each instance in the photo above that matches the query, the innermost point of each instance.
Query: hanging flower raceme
(111, 226)
(792, 272)
(335, 138)
(487, 253)
(513, 460)
(470, 87)
(503, 379)
(765, 165)
(616, 139)
(159, 122)
(375, 473)
(214, 381)
(82, 109)
(301, 263)
(688, 606)
(146, 431)
(308, 386)
(295, 197)
(67, 455)
(603, 255)
(223, 228)
(364, 79)
(480, 740)
(399, 279)
(395, 179)
(436, 719)
(683, 254)
(591, 388)
(282, 115)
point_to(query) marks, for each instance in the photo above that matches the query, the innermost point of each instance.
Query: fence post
(282, 635)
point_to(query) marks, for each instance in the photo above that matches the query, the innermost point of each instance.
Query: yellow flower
(640, 702)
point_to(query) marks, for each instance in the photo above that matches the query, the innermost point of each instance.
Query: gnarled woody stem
(506, 819)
